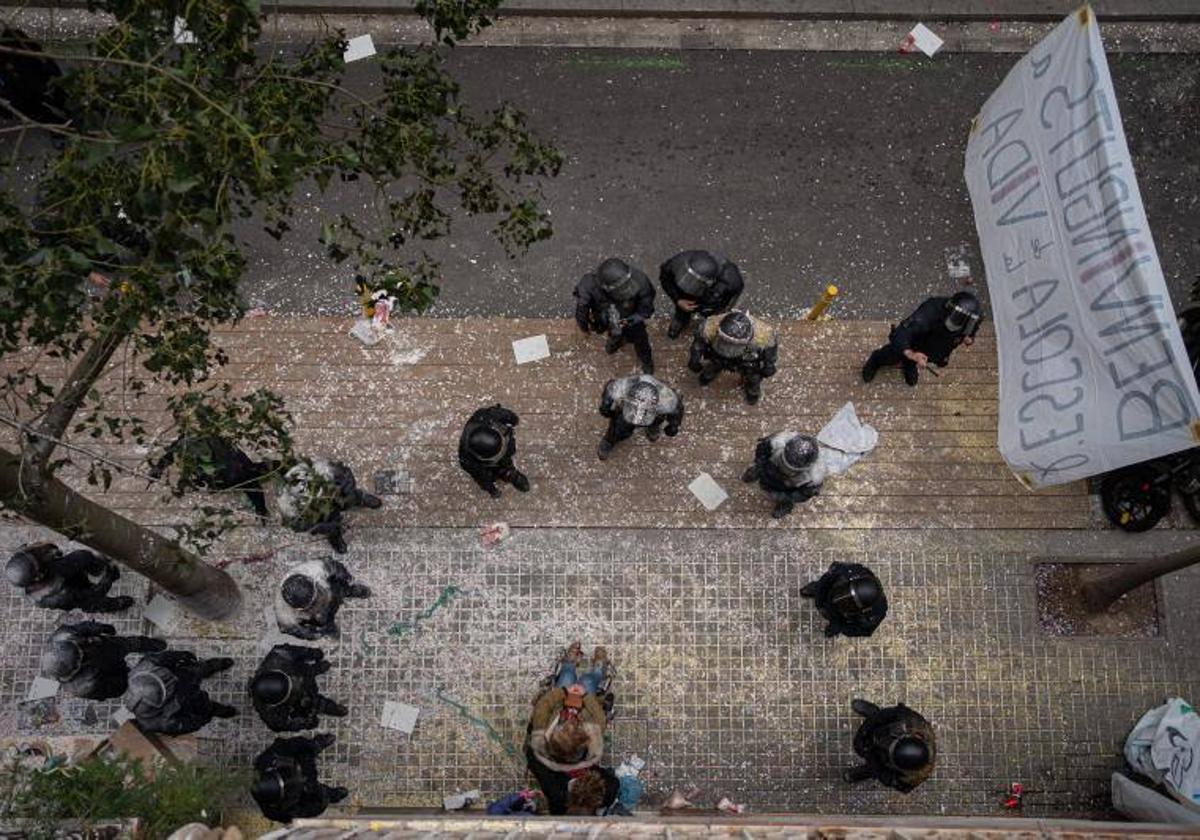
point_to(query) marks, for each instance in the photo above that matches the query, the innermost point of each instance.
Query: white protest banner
(1093, 371)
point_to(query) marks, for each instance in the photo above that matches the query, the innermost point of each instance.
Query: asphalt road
(806, 168)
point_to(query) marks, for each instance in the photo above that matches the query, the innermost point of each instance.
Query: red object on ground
(1015, 793)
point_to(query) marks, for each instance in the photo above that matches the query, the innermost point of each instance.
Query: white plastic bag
(1165, 746)
(844, 440)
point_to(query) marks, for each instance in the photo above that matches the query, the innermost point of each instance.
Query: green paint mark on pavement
(649, 62)
(403, 628)
(479, 722)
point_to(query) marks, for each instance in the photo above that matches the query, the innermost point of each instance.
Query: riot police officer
(310, 596)
(165, 696)
(738, 342)
(699, 282)
(286, 784)
(316, 492)
(638, 402)
(928, 336)
(897, 744)
(88, 658)
(215, 464)
(617, 299)
(78, 580)
(284, 689)
(851, 599)
(786, 467)
(486, 448)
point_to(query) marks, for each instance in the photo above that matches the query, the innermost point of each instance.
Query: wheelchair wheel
(1135, 499)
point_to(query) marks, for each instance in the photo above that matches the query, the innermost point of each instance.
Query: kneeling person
(638, 402)
(486, 448)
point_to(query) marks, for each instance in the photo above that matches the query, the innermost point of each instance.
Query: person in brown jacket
(566, 731)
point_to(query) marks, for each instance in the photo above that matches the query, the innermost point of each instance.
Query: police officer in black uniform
(897, 744)
(699, 282)
(735, 342)
(850, 597)
(88, 658)
(78, 580)
(315, 494)
(617, 299)
(638, 402)
(486, 448)
(784, 468)
(928, 336)
(286, 784)
(215, 464)
(165, 696)
(284, 689)
(310, 595)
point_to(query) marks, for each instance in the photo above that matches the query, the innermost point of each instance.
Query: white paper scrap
(360, 47)
(706, 489)
(163, 612)
(400, 716)
(531, 349)
(42, 688)
(458, 801)
(122, 715)
(923, 39)
(183, 35)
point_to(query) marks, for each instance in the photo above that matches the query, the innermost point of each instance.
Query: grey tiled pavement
(725, 680)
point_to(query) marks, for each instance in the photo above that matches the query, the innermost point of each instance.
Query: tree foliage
(169, 145)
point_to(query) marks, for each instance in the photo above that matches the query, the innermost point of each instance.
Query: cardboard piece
(400, 716)
(148, 748)
(42, 688)
(358, 48)
(706, 489)
(162, 612)
(922, 38)
(531, 349)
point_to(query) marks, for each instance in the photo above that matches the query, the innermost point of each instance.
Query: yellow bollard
(821, 305)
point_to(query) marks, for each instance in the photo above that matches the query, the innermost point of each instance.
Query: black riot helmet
(486, 443)
(616, 279)
(856, 592)
(29, 564)
(268, 786)
(61, 660)
(149, 688)
(298, 591)
(699, 274)
(909, 752)
(640, 405)
(800, 452)
(734, 333)
(271, 687)
(963, 313)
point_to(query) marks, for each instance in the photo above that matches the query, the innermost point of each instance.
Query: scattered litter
(122, 715)
(182, 35)
(401, 628)
(1016, 791)
(1162, 747)
(38, 713)
(392, 482)
(531, 349)
(630, 767)
(458, 801)
(680, 799)
(41, 689)
(247, 559)
(922, 38)
(364, 330)
(994, 26)
(727, 806)
(400, 716)
(958, 263)
(358, 48)
(706, 489)
(163, 612)
(493, 535)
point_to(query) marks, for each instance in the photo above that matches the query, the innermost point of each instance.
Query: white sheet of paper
(399, 716)
(706, 489)
(360, 47)
(182, 34)
(163, 612)
(531, 349)
(924, 39)
(42, 688)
